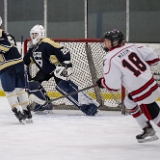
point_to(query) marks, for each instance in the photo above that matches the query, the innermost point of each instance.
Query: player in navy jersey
(12, 76)
(52, 60)
(128, 65)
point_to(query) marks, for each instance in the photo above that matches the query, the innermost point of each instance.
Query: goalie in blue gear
(53, 60)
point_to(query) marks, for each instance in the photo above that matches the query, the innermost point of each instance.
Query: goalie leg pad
(37, 92)
(84, 102)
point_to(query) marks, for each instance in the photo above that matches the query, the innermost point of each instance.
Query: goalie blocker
(84, 102)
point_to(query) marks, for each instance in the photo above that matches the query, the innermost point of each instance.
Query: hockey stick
(119, 103)
(74, 92)
(42, 102)
(21, 44)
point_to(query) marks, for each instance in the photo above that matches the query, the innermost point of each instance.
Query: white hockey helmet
(0, 21)
(40, 31)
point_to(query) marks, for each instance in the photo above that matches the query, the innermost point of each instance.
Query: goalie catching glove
(64, 70)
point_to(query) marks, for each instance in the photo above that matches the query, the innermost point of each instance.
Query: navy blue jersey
(9, 54)
(46, 55)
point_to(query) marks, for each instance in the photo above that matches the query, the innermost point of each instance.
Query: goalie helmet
(115, 36)
(39, 30)
(0, 21)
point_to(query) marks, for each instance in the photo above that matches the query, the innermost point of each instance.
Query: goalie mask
(37, 33)
(115, 36)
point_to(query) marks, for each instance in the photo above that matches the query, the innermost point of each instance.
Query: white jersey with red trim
(129, 66)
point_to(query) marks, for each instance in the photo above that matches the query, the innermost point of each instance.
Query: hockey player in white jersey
(129, 65)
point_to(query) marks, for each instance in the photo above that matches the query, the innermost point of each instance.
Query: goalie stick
(42, 102)
(120, 104)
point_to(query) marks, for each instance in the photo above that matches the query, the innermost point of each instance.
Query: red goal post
(87, 58)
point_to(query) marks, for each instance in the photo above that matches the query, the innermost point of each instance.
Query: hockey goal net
(87, 58)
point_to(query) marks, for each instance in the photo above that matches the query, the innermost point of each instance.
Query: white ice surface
(70, 135)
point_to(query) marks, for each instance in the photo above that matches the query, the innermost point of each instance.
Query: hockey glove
(64, 70)
(101, 82)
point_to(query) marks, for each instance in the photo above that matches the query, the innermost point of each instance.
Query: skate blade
(48, 111)
(44, 112)
(29, 121)
(23, 122)
(149, 139)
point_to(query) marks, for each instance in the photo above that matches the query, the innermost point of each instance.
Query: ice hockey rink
(70, 135)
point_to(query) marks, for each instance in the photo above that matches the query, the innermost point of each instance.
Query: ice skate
(28, 115)
(46, 108)
(32, 105)
(148, 134)
(20, 116)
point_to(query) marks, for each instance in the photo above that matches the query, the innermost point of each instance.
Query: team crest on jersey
(38, 58)
(65, 50)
